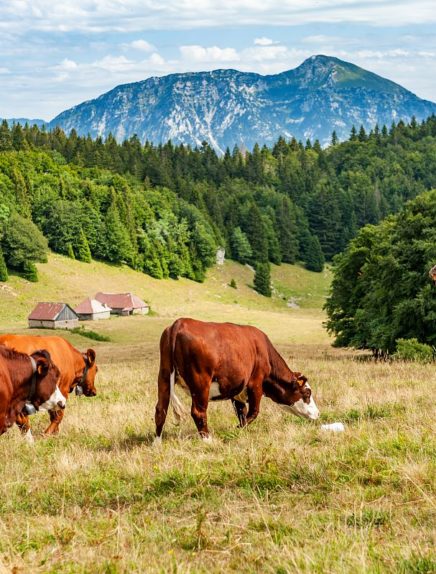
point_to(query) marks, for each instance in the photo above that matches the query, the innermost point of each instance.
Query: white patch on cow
(207, 439)
(157, 443)
(214, 390)
(176, 403)
(56, 402)
(306, 411)
(28, 437)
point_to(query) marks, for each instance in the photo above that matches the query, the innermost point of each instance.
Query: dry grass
(281, 496)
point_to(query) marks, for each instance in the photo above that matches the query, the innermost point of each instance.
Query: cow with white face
(220, 361)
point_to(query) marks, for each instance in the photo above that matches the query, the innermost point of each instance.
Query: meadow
(281, 496)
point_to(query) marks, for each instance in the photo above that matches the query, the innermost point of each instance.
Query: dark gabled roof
(89, 306)
(47, 311)
(121, 300)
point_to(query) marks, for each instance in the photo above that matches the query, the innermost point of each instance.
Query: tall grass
(280, 496)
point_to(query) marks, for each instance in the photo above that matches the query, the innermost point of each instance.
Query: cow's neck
(21, 374)
(280, 372)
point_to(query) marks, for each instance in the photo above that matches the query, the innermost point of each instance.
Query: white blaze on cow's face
(55, 402)
(303, 409)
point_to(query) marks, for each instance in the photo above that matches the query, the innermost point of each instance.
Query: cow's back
(223, 347)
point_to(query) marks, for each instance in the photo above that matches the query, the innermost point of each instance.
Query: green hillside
(63, 279)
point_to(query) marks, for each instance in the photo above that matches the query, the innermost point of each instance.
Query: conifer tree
(262, 279)
(3, 269)
(82, 251)
(5, 137)
(241, 249)
(70, 251)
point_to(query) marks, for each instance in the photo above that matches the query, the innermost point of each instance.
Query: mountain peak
(229, 107)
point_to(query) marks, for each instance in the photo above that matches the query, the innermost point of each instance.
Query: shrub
(233, 284)
(413, 350)
(90, 334)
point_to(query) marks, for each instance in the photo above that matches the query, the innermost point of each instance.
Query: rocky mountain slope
(227, 107)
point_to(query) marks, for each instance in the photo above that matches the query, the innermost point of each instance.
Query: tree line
(164, 209)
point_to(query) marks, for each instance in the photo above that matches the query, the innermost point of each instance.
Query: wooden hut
(53, 316)
(92, 310)
(123, 303)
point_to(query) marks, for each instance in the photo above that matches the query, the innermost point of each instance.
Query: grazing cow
(217, 361)
(77, 370)
(27, 380)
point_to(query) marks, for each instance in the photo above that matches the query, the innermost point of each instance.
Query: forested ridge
(165, 209)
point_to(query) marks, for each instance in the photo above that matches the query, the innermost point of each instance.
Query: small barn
(123, 303)
(53, 316)
(92, 310)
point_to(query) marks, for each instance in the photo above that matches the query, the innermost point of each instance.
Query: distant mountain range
(227, 107)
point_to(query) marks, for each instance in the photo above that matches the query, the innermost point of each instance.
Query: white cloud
(137, 15)
(141, 45)
(67, 65)
(195, 53)
(264, 41)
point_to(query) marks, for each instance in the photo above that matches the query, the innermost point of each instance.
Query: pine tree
(256, 233)
(241, 248)
(5, 137)
(334, 139)
(313, 258)
(82, 251)
(3, 269)
(70, 251)
(262, 279)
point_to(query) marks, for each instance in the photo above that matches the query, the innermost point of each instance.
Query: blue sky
(56, 54)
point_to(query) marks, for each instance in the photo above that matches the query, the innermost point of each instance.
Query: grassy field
(282, 496)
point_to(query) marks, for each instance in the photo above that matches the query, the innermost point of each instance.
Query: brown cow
(217, 361)
(27, 380)
(77, 369)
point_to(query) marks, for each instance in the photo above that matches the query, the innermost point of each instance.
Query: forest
(164, 209)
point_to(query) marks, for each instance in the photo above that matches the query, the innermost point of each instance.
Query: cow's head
(87, 378)
(295, 396)
(45, 391)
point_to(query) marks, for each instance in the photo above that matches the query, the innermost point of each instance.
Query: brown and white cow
(27, 380)
(77, 370)
(217, 361)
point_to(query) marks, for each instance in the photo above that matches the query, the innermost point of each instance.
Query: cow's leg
(23, 423)
(241, 412)
(200, 400)
(254, 392)
(163, 400)
(55, 420)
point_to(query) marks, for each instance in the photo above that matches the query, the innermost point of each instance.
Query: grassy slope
(280, 496)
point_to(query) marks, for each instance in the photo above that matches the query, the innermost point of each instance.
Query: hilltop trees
(381, 291)
(23, 244)
(134, 203)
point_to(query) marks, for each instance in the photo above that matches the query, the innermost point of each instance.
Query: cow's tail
(178, 407)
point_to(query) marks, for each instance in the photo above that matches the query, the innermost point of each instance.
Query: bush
(233, 284)
(90, 334)
(413, 350)
(3, 268)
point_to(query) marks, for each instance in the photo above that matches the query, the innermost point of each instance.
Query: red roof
(46, 311)
(121, 300)
(90, 306)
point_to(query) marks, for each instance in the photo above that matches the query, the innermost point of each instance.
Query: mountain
(227, 107)
(24, 121)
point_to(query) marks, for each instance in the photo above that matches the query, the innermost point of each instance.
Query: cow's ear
(42, 365)
(302, 380)
(90, 356)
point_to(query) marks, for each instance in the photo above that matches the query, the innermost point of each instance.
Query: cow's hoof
(157, 443)
(207, 439)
